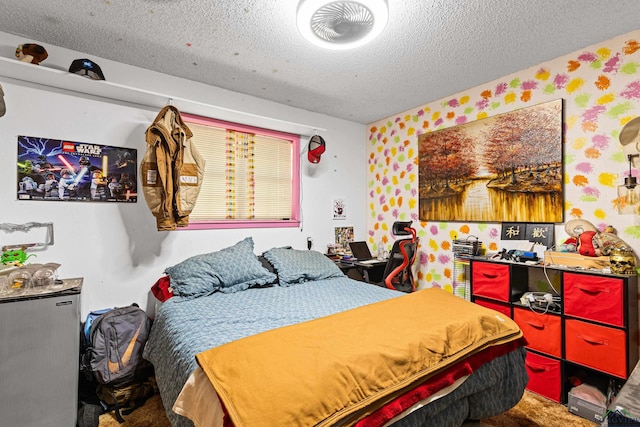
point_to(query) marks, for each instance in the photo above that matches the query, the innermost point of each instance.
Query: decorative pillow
(162, 289)
(193, 277)
(231, 269)
(266, 264)
(297, 266)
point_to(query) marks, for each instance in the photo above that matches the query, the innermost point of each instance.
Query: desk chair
(397, 273)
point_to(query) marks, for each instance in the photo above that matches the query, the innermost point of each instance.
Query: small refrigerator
(39, 358)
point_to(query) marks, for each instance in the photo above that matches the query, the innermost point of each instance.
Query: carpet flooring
(531, 411)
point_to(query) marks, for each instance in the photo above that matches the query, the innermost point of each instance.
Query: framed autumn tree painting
(506, 168)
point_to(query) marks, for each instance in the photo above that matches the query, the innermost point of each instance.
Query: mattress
(199, 401)
(493, 387)
(184, 328)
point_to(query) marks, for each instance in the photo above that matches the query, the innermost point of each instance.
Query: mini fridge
(39, 365)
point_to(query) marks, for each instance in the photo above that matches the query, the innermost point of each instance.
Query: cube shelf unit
(591, 336)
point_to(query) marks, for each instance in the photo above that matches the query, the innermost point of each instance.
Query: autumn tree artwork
(506, 168)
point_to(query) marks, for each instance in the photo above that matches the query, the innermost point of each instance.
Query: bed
(235, 329)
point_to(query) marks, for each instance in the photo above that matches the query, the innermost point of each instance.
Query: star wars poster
(53, 169)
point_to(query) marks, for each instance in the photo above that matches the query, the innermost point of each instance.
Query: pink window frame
(295, 196)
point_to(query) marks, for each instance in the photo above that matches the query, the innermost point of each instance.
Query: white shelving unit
(62, 80)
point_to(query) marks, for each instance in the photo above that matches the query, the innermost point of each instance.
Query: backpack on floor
(124, 399)
(89, 321)
(112, 344)
(117, 338)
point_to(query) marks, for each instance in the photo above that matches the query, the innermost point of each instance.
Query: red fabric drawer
(597, 347)
(502, 308)
(542, 331)
(594, 298)
(491, 280)
(544, 376)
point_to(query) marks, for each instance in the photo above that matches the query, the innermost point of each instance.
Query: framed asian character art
(506, 168)
(60, 170)
(538, 233)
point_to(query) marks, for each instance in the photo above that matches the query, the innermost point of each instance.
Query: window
(251, 177)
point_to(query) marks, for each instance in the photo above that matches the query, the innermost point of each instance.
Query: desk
(364, 272)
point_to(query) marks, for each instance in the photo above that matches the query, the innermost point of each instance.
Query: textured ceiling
(430, 48)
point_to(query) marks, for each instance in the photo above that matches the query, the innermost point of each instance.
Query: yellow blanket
(336, 369)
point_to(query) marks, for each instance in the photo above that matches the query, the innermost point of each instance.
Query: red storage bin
(545, 376)
(597, 347)
(491, 280)
(593, 297)
(542, 331)
(502, 308)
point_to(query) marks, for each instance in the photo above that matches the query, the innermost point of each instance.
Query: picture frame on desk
(343, 235)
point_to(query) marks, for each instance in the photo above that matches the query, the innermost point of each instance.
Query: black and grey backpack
(112, 359)
(117, 339)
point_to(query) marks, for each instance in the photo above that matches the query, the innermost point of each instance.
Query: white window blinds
(248, 176)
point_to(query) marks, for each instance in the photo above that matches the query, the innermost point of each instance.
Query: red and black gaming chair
(397, 273)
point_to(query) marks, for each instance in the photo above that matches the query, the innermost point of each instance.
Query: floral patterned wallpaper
(600, 86)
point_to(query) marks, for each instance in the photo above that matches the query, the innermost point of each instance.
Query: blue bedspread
(183, 328)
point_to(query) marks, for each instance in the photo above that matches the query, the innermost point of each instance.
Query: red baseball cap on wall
(316, 148)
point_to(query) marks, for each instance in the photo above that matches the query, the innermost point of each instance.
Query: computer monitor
(360, 250)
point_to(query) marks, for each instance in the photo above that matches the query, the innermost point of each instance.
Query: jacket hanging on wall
(171, 170)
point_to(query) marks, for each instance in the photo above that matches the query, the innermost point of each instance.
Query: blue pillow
(193, 278)
(231, 269)
(297, 266)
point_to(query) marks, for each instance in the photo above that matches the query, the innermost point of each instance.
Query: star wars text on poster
(56, 170)
(82, 149)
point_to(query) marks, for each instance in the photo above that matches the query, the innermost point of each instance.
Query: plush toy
(607, 241)
(575, 228)
(31, 52)
(590, 241)
(569, 245)
(585, 243)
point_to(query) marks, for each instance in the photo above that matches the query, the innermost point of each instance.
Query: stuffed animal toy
(569, 245)
(607, 241)
(31, 52)
(585, 243)
(590, 241)
(574, 229)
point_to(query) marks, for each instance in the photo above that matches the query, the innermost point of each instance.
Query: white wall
(115, 246)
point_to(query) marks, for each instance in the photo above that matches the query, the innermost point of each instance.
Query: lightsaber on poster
(105, 166)
(82, 173)
(66, 163)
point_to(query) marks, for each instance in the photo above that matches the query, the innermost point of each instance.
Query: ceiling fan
(342, 24)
